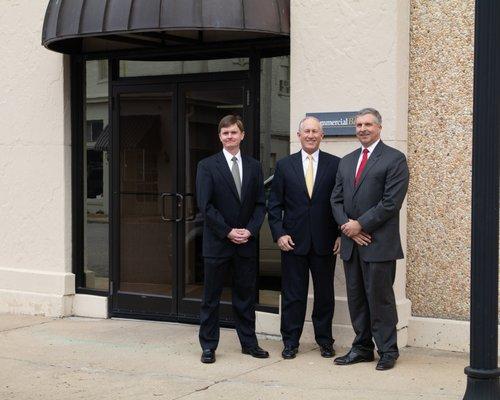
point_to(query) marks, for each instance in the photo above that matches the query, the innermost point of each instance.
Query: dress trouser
(244, 276)
(294, 289)
(372, 305)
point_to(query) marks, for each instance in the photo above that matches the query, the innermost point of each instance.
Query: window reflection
(274, 145)
(96, 172)
(153, 68)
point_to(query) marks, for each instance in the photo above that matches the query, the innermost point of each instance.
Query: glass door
(147, 206)
(201, 106)
(161, 132)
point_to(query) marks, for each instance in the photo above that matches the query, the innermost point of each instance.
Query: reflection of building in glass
(274, 112)
(274, 145)
(96, 176)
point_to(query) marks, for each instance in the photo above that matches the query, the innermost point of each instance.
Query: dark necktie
(361, 167)
(235, 171)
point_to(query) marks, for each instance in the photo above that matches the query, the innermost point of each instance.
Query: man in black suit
(370, 189)
(302, 224)
(230, 195)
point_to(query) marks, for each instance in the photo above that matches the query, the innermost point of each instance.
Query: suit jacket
(223, 210)
(375, 202)
(309, 221)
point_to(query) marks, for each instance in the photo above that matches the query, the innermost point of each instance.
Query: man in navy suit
(302, 224)
(230, 195)
(371, 185)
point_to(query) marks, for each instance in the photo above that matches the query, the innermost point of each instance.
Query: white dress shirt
(370, 151)
(305, 162)
(229, 160)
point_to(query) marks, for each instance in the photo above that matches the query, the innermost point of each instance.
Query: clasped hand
(239, 235)
(285, 243)
(354, 230)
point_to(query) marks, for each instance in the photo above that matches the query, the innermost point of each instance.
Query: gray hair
(301, 123)
(372, 111)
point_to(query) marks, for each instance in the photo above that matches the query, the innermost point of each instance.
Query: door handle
(179, 205)
(164, 197)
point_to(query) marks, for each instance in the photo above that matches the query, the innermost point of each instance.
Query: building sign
(336, 123)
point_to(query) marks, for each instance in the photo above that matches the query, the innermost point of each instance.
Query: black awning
(83, 26)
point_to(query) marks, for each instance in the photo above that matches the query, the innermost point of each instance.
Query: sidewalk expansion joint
(25, 326)
(229, 379)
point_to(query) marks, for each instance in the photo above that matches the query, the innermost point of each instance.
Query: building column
(35, 170)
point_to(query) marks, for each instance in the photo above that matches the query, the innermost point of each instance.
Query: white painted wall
(35, 167)
(347, 55)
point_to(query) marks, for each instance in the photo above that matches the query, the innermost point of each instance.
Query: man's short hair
(230, 120)
(301, 123)
(371, 111)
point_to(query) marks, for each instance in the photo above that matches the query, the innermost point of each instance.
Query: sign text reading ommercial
(336, 123)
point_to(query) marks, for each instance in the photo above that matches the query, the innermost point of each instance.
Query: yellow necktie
(309, 176)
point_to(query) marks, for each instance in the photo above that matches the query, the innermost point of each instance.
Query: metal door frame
(156, 84)
(123, 304)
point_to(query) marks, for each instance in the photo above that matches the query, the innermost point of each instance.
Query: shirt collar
(229, 156)
(315, 155)
(371, 147)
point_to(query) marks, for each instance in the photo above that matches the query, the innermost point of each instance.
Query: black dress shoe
(208, 356)
(386, 362)
(256, 352)
(353, 357)
(327, 350)
(289, 352)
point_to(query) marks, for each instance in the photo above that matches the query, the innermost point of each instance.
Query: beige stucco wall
(35, 210)
(439, 149)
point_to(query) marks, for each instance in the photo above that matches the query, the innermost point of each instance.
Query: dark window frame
(254, 50)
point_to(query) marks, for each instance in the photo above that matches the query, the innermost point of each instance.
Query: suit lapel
(320, 173)
(299, 170)
(372, 160)
(352, 167)
(226, 173)
(246, 176)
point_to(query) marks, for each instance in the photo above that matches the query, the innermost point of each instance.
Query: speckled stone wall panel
(439, 154)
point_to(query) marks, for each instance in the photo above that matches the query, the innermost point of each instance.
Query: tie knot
(234, 159)
(366, 151)
(310, 157)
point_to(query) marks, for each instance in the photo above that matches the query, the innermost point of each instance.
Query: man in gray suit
(370, 187)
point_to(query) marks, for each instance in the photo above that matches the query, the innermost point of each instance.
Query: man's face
(310, 135)
(231, 137)
(367, 129)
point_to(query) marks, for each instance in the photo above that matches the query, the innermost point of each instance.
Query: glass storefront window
(153, 68)
(95, 179)
(274, 145)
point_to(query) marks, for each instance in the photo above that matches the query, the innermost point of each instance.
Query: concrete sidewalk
(77, 358)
